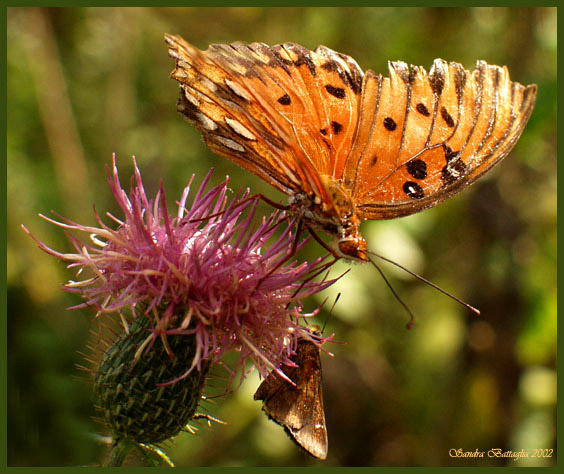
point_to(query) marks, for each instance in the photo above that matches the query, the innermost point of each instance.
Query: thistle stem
(119, 452)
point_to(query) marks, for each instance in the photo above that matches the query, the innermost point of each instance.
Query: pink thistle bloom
(207, 273)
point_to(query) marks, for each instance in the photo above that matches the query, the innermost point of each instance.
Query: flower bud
(132, 390)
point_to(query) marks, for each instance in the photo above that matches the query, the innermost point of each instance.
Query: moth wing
(299, 408)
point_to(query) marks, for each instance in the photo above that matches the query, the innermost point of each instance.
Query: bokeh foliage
(86, 82)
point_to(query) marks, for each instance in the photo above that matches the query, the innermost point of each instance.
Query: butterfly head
(353, 249)
(315, 330)
(351, 244)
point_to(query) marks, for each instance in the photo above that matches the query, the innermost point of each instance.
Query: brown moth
(299, 408)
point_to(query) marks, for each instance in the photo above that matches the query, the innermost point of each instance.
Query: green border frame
(3, 205)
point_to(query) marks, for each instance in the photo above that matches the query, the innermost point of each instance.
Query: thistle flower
(198, 285)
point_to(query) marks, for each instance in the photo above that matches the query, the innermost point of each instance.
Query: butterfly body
(344, 144)
(339, 219)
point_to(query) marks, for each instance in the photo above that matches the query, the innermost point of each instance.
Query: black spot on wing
(422, 109)
(437, 78)
(413, 190)
(304, 57)
(277, 60)
(449, 154)
(453, 171)
(447, 117)
(285, 100)
(337, 92)
(337, 127)
(352, 79)
(417, 169)
(390, 124)
(460, 82)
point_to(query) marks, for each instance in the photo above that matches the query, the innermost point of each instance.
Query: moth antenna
(411, 321)
(330, 312)
(424, 280)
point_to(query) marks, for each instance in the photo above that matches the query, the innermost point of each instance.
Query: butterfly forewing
(220, 107)
(301, 105)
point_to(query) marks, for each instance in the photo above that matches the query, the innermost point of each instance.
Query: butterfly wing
(282, 112)
(398, 145)
(299, 408)
(423, 137)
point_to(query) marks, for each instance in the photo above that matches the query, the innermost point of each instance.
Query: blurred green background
(86, 82)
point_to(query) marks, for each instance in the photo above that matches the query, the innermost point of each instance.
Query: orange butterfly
(347, 145)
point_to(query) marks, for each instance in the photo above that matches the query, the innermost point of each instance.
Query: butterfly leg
(322, 243)
(325, 266)
(276, 205)
(217, 214)
(292, 252)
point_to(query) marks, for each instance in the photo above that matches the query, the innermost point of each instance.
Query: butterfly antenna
(424, 280)
(411, 321)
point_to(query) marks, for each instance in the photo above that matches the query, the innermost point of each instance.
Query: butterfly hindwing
(298, 408)
(449, 127)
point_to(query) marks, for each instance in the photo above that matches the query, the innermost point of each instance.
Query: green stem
(118, 454)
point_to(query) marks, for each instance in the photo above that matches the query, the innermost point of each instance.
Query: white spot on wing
(202, 96)
(240, 129)
(237, 89)
(189, 97)
(239, 68)
(207, 122)
(173, 54)
(184, 64)
(230, 143)
(209, 84)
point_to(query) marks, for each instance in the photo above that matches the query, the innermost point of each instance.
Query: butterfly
(344, 144)
(299, 408)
